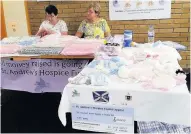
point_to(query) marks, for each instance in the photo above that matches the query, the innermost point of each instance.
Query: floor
(23, 112)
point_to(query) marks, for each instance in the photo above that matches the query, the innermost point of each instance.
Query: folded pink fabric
(81, 49)
(55, 40)
(9, 48)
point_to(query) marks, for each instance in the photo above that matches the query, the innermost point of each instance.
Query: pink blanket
(81, 49)
(55, 40)
(9, 48)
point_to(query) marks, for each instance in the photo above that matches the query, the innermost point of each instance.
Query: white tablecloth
(171, 106)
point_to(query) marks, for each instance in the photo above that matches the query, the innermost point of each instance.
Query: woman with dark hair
(52, 24)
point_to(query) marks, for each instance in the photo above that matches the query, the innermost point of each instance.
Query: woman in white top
(52, 24)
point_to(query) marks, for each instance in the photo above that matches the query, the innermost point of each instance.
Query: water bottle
(128, 35)
(151, 34)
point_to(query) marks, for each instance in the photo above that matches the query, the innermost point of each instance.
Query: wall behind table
(73, 12)
(15, 13)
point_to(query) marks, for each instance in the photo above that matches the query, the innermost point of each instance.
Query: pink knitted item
(9, 48)
(81, 49)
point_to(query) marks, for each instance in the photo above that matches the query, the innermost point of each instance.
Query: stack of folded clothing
(55, 40)
(175, 45)
(159, 44)
(94, 79)
(153, 68)
(83, 48)
(111, 49)
(81, 41)
(28, 40)
(108, 66)
(21, 40)
(40, 50)
(154, 127)
(10, 49)
(10, 40)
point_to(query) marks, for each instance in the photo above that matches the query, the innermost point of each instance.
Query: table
(21, 104)
(21, 58)
(171, 106)
(144, 102)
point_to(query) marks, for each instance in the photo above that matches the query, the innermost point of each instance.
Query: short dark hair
(51, 9)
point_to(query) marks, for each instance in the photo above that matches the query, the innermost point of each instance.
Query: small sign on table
(103, 118)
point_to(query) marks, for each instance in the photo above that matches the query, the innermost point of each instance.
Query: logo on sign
(128, 97)
(101, 96)
(118, 119)
(123, 120)
(75, 93)
(40, 85)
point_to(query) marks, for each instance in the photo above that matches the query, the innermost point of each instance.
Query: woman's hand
(50, 32)
(42, 32)
(79, 34)
(45, 32)
(64, 33)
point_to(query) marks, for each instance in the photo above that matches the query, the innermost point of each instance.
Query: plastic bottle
(151, 34)
(128, 35)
